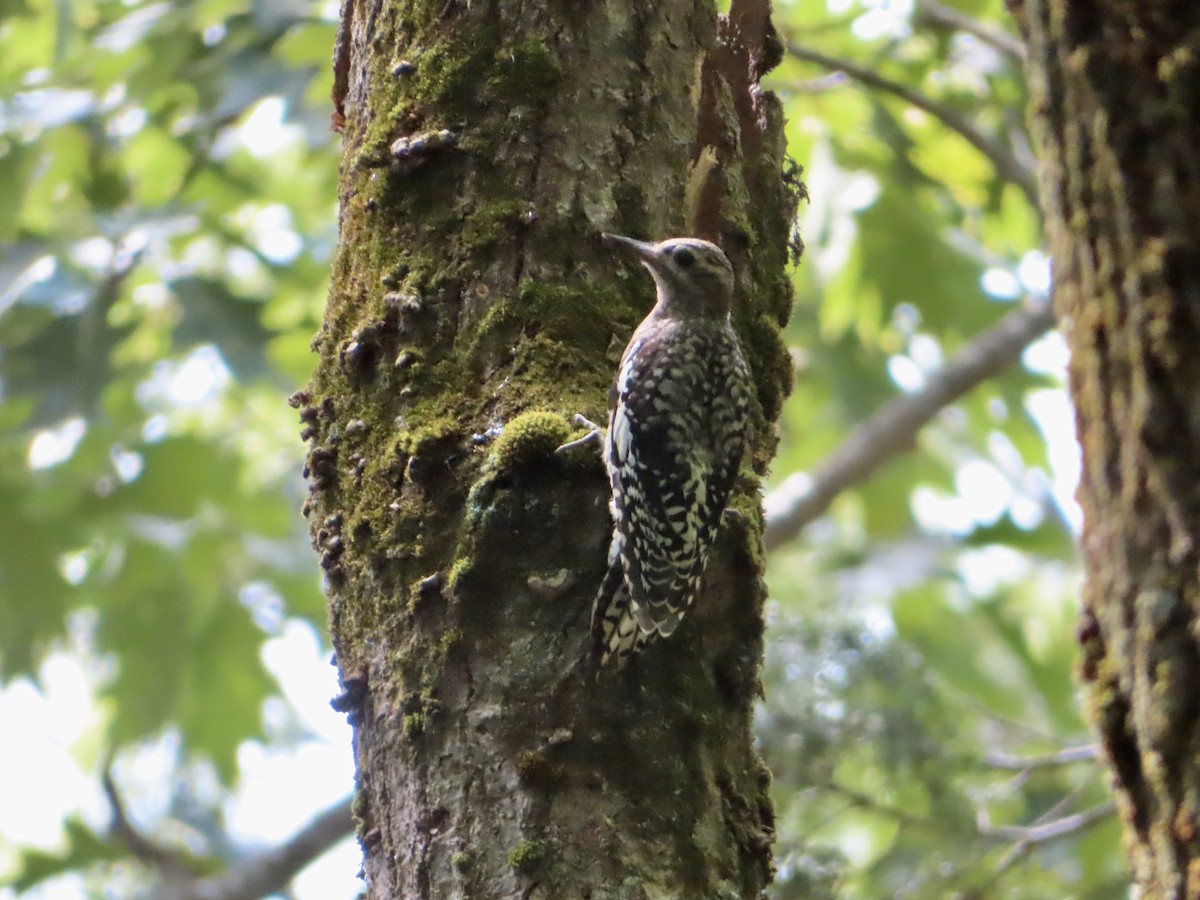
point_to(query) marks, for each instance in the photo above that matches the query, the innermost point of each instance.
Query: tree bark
(472, 310)
(1117, 106)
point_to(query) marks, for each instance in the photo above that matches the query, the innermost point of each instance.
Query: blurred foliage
(167, 213)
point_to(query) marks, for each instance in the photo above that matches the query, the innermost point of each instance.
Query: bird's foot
(595, 432)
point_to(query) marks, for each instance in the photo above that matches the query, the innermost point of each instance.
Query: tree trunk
(472, 310)
(1117, 103)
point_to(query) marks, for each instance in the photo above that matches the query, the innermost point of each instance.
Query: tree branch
(163, 859)
(269, 871)
(1029, 836)
(254, 876)
(938, 14)
(1048, 831)
(1066, 756)
(1008, 166)
(893, 427)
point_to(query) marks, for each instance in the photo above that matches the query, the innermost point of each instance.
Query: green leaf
(908, 258)
(84, 849)
(157, 163)
(188, 652)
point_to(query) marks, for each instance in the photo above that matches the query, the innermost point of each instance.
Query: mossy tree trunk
(1117, 104)
(472, 310)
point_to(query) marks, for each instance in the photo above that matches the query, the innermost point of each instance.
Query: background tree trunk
(1116, 91)
(472, 310)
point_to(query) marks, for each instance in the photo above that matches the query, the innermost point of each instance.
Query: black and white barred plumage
(678, 411)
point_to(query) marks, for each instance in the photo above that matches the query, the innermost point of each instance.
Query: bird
(679, 409)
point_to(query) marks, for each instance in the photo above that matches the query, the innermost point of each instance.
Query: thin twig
(1049, 831)
(1006, 163)
(1030, 836)
(1066, 756)
(893, 427)
(938, 14)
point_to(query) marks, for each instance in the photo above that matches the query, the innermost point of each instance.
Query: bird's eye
(684, 258)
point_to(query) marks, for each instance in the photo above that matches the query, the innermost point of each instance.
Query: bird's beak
(646, 252)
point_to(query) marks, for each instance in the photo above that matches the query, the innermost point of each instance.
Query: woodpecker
(678, 413)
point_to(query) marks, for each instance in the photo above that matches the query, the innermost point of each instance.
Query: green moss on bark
(530, 438)
(414, 725)
(529, 856)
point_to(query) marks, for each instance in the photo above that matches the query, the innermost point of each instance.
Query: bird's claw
(595, 432)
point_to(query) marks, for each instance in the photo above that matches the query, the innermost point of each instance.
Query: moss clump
(460, 862)
(414, 725)
(459, 572)
(528, 856)
(534, 770)
(528, 439)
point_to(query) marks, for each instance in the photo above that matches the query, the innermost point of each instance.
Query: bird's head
(694, 277)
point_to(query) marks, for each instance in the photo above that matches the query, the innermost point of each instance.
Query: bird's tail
(615, 630)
